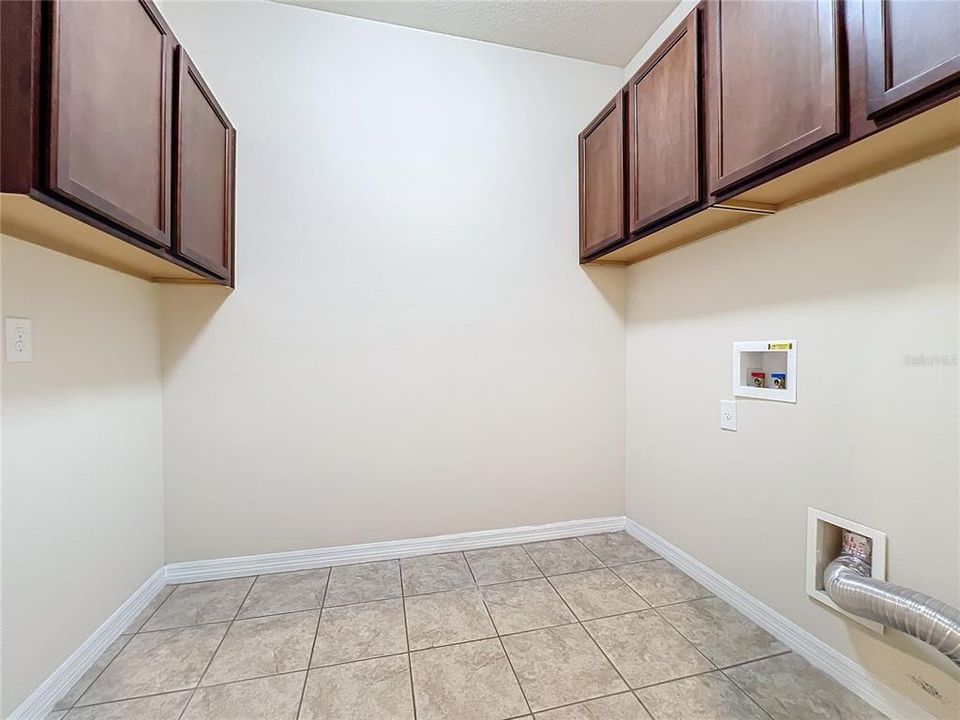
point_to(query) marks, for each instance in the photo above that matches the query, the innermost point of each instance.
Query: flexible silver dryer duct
(848, 583)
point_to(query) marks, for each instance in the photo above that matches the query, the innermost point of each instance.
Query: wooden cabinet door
(773, 85)
(603, 179)
(204, 187)
(664, 118)
(911, 48)
(110, 112)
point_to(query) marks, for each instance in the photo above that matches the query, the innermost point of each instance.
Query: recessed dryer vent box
(824, 532)
(765, 369)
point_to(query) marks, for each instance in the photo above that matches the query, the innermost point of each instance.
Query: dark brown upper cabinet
(663, 110)
(110, 113)
(603, 216)
(773, 83)
(206, 146)
(912, 48)
(781, 102)
(112, 151)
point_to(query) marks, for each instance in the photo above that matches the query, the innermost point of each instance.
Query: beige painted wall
(413, 348)
(864, 279)
(82, 461)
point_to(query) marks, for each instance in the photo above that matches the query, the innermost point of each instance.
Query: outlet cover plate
(18, 335)
(728, 415)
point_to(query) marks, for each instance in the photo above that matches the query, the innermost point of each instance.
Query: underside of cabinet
(27, 218)
(708, 222)
(923, 135)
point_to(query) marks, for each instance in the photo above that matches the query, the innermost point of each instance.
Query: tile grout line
(397, 654)
(584, 546)
(156, 610)
(219, 645)
(459, 642)
(598, 697)
(716, 668)
(642, 704)
(656, 608)
(577, 618)
(99, 674)
(227, 682)
(537, 565)
(406, 634)
(631, 689)
(733, 681)
(483, 601)
(755, 660)
(593, 639)
(685, 638)
(132, 635)
(582, 627)
(183, 690)
(316, 634)
(697, 650)
(651, 607)
(501, 582)
(252, 617)
(745, 694)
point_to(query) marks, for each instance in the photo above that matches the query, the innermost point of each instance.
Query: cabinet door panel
(664, 118)
(110, 112)
(912, 48)
(775, 83)
(205, 174)
(602, 181)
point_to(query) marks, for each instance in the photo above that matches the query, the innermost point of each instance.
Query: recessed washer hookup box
(765, 369)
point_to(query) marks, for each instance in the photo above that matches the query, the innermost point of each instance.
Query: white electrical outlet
(728, 415)
(19, 339)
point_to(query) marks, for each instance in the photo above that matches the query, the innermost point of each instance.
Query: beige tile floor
(597, 627)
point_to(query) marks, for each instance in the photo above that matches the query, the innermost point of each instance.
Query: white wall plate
(728, 415)
(18, 337)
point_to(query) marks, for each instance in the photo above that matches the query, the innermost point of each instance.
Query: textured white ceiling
(603, 31)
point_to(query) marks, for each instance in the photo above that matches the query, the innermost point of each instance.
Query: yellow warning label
(779, 346)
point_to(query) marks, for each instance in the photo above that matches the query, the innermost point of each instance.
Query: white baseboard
(41, 701)
(825, 658)
(345, 554)
(833, 663)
